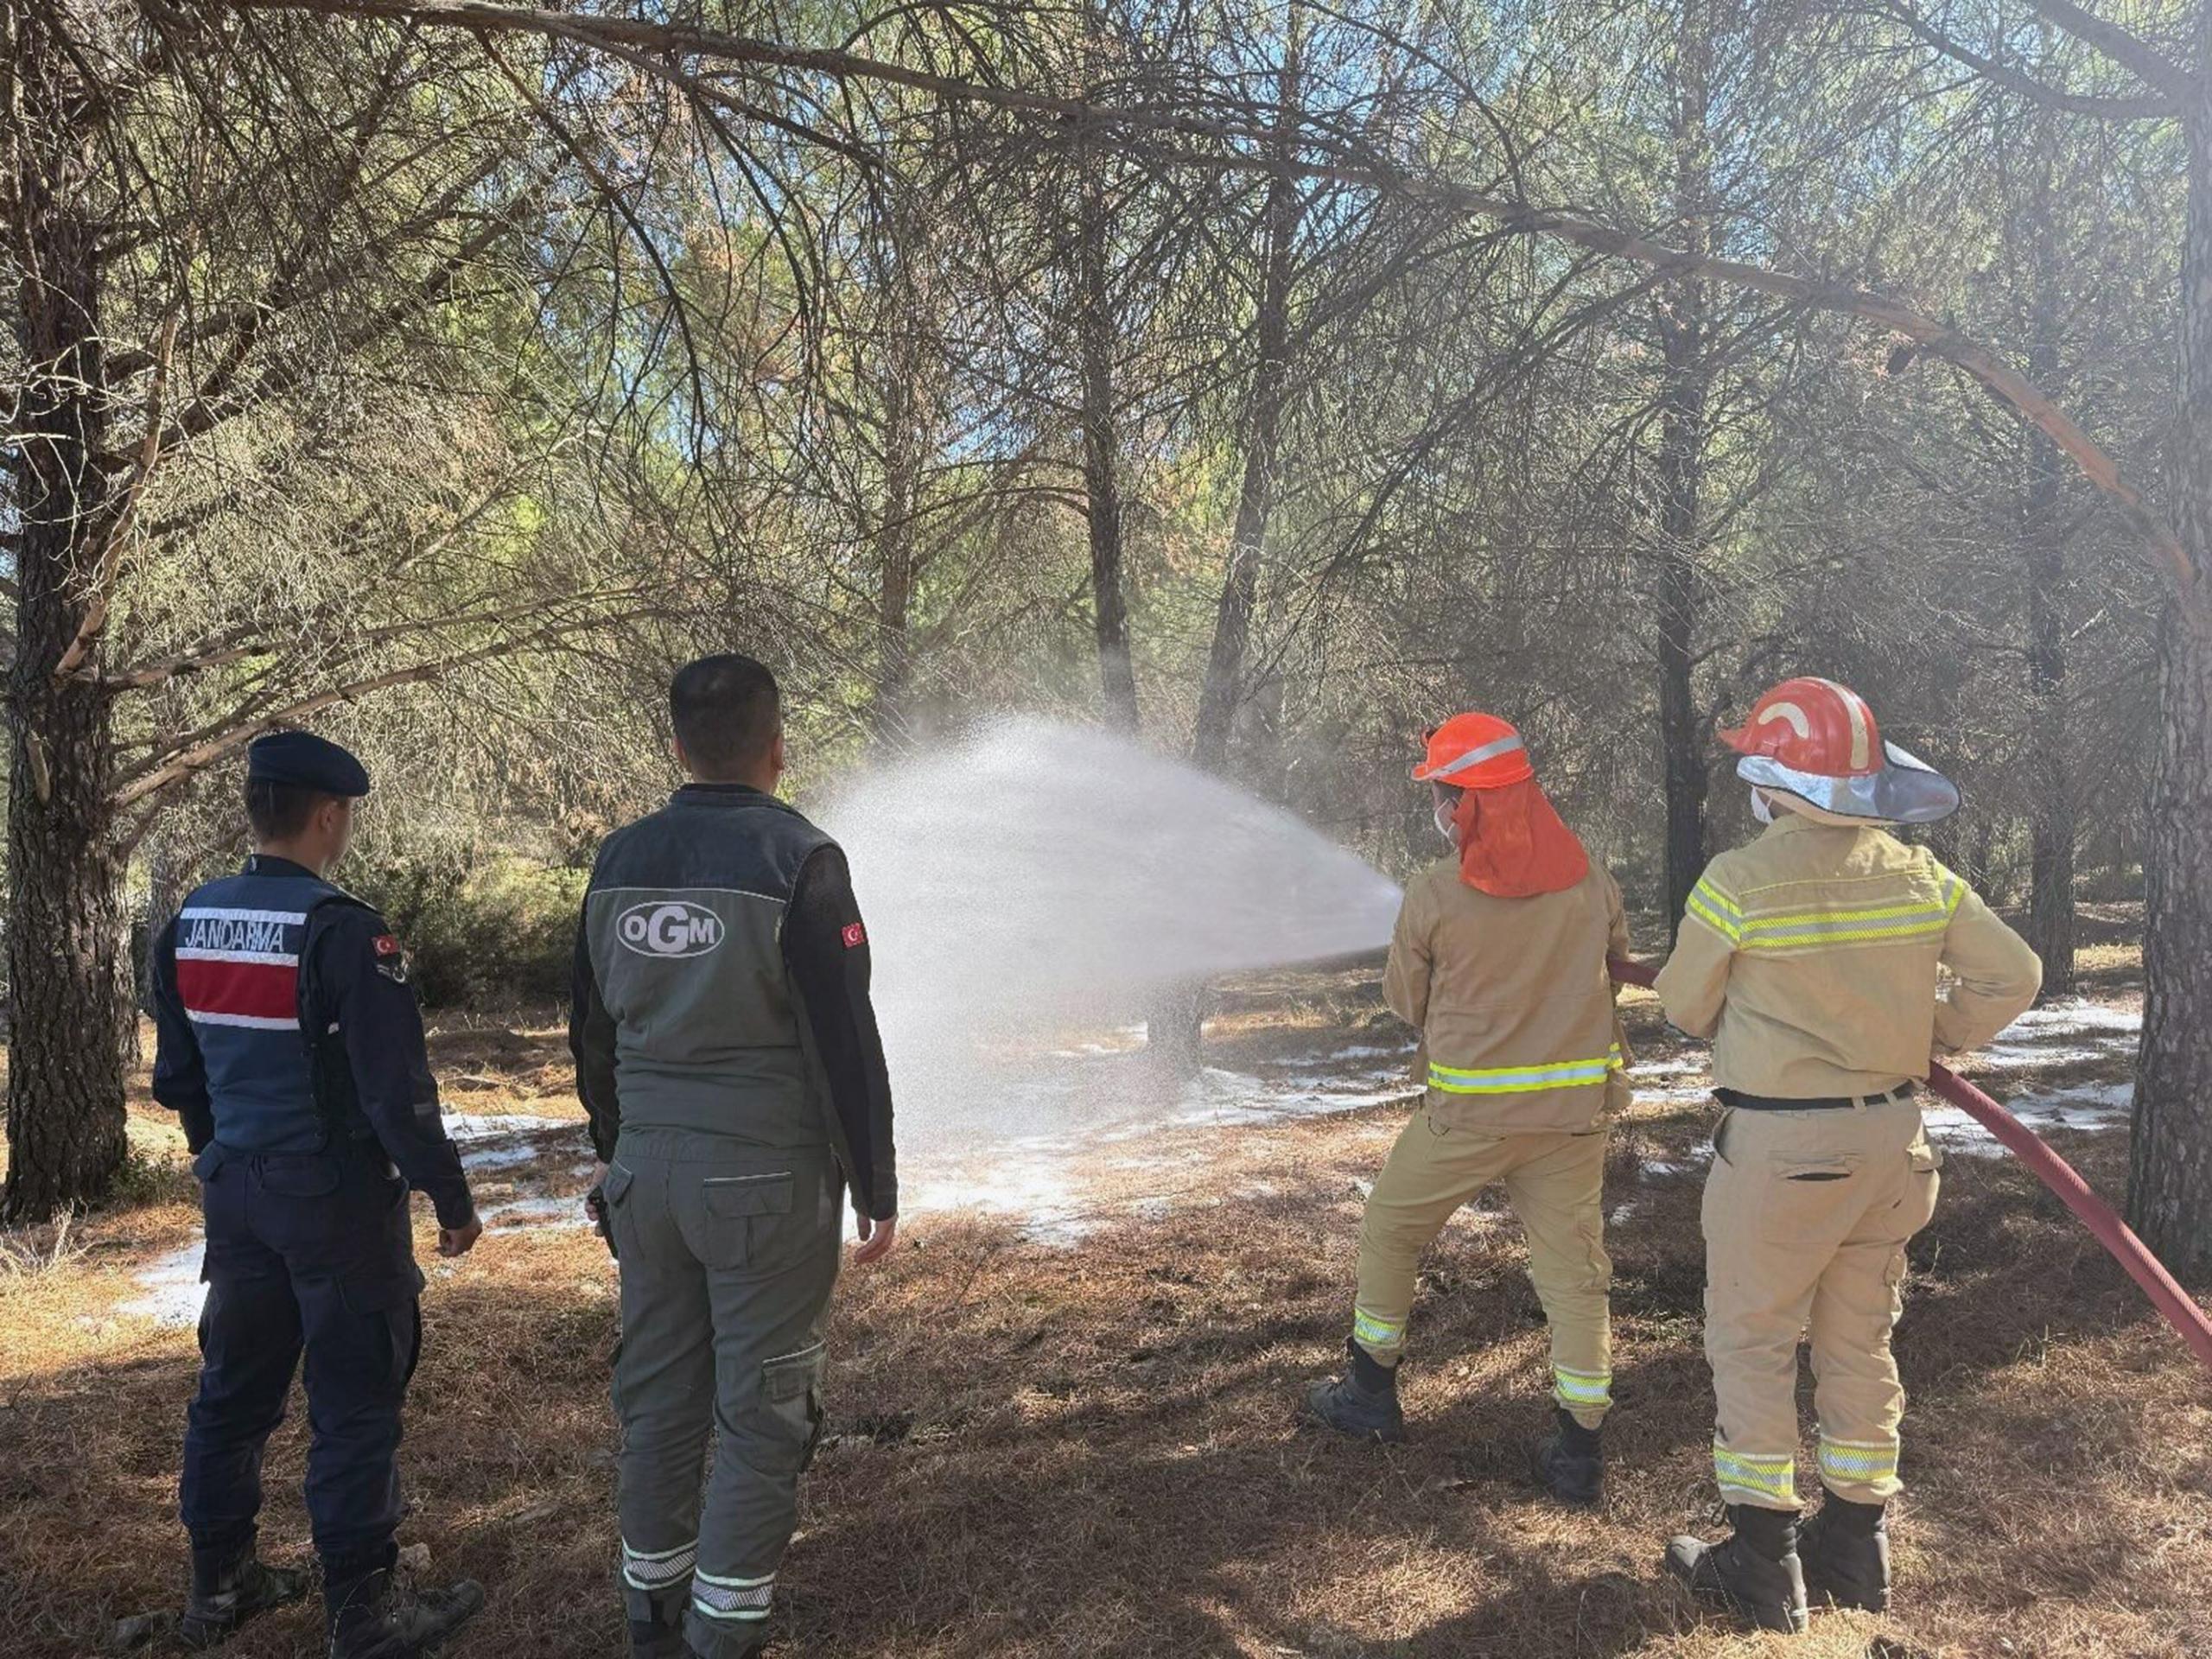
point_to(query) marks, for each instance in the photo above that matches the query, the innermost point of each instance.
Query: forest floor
(1062, 1412)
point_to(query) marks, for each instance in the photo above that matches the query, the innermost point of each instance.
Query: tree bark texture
(1239, 589)
(1685, 392)
(68, 981)
(2170, 1180)
(1102, 463)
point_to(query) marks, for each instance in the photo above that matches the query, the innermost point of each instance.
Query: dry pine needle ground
(1089, 1449)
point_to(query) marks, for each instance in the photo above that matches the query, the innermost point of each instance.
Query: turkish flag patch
(855, 936)
(387, 944)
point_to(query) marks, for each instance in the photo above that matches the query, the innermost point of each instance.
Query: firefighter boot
(1363, 1402)
(1570, 1463)
(231, 1586)
(658, 1634)
(1756, 1571)
(1846, 1550)
(371, 1618)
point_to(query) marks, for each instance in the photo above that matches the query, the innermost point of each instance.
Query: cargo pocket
(612, 1192)
(791, 1394)
(744, 1214)
(1809, 1197)
(1915, 1206)
(396, 1305)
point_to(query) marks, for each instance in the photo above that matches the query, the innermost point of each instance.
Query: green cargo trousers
(729, 1255)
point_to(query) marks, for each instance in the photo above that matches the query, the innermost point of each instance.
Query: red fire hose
(2179, 1308)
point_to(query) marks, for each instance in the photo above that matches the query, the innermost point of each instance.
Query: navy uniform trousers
(305, 1251)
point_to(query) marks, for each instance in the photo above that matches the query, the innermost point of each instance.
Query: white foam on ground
(2092, 1107)
(173, 1291)
(463, 1127)
(1682, 1066)
(1699, 1094)
(2071, 1017)
(548, 1211)
(2020, 1057)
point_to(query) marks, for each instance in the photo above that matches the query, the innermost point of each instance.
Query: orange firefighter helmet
(1816, 742)
(1474, 750)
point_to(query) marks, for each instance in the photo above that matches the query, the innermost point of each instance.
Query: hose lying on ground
(2179, 1308)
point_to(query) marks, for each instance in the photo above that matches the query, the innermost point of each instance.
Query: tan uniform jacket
(1511, 998)
(1809, 958)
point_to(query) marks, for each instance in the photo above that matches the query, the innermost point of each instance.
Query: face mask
(1761, 808)
(1446, 827)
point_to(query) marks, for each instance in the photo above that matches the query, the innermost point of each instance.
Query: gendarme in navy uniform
(292, 1049)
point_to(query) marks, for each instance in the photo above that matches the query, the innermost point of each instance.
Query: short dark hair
(727, 712)
(279, 811)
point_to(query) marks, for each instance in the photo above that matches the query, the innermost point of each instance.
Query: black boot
(229, 1586)
(1756, 1571)
(371, 1618)
(1846, 1550)
(1570, 1461)
(658, 1634)
(1363, 1402)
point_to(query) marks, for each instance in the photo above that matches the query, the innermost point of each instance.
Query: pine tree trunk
(1240, 590)
(2053, 830)
(2169, 1180)
(1102, 463)
(1684, 328)
(65, 929)
(894, 548)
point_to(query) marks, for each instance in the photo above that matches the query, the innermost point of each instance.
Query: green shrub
(502, 931)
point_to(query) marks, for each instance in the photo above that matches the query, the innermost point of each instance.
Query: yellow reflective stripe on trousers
(1522, 1079)
(1753, 1476)
(1584, 1389)
(1859, 1463)
(1372, 1333)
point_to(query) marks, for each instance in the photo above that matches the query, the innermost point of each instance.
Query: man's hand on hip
(876, 1238)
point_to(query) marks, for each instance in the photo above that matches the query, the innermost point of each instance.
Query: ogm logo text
(669, 927)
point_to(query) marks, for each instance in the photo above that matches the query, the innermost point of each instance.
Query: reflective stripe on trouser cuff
(1747, 1475)
(657, 1569)
(1582, 1390)
(1522, 1079)
(736, 1600)
(1859, 1463)
(1372, 1333)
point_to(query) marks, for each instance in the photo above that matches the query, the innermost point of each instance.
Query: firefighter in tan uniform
(1499, 961)
(1809, 958)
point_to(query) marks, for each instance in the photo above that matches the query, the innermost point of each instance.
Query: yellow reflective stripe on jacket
(1522, 1079)
(1797, 930)
(1717, 911)
(1755, 1476)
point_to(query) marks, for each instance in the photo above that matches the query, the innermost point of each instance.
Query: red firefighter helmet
(1474, 750)
(1817, 742)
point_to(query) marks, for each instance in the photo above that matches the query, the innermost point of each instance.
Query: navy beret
(306, 761)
